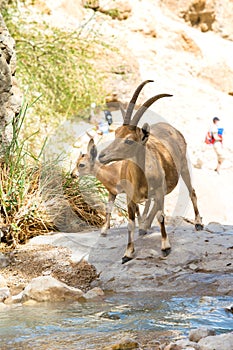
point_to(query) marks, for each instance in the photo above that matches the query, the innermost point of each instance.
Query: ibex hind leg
(165, 245)
(109, 208)
(143, 223)
(185, 174)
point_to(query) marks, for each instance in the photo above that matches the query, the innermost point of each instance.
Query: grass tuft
(37, 198)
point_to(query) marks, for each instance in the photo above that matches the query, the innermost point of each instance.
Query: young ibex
(156, 160)
(108, 175)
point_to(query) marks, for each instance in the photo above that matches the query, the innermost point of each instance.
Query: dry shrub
(51, 202)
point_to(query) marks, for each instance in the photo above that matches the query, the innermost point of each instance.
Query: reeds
(37, 198)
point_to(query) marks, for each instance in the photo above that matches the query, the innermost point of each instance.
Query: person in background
(214, 137)
(108, 116)
(105, 123)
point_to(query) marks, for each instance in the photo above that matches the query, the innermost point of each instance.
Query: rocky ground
(200, 264)
(30, 261)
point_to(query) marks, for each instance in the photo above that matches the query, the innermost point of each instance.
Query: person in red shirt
(216, 135)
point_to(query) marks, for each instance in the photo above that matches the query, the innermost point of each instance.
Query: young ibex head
(85, 162)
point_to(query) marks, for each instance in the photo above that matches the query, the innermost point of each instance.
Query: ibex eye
(129, 142)
(81, 165)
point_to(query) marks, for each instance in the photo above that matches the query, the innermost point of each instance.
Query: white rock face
(10, 97)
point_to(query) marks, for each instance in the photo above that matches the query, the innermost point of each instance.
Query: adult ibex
(109, 175)
(156, 160)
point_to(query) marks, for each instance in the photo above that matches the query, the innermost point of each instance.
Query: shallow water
(93, 325)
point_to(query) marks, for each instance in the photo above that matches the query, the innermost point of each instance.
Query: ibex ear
(145, 132)
(91, 143)
(93, 153)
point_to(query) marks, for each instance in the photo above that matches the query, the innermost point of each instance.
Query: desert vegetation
(35, 196)
(54, 66)
(58, 79)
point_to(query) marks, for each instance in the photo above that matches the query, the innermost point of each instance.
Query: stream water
(93, 325)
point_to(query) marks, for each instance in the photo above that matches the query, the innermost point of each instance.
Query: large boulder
(47, 288)
(203, 339)
(196, 334)
(219, 342)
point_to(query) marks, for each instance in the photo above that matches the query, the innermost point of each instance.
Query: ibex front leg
(109, 207)
(132, 207)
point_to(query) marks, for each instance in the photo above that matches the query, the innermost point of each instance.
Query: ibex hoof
(166, 252)
(142, 232)
(125, 259)
(199, 227)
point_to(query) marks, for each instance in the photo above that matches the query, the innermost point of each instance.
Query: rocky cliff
(10, 98)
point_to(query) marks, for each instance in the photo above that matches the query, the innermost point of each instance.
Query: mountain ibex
(156, 158)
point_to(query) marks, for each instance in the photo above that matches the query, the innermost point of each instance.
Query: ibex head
(129, 137)
(85, 162)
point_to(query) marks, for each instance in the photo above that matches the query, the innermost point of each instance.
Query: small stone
(196, 334)
(4, 293)
(4, 261)
(177, 269)
(14, 299)
(214, 227)
(30, 302)
(94, 293)
(229, 308)
(46, 273)
(125, 344)
(173, 346)
(193, 267)
(204, 27)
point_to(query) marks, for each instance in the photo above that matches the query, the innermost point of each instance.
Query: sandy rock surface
(200, 263)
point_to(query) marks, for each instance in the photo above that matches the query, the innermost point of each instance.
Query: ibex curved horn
(122, 111)
(133, 100)
(145, 106)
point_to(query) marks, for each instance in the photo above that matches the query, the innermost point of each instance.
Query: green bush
(20, 203)
(58, 66)
(37, 196)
